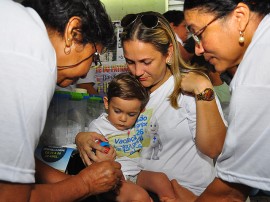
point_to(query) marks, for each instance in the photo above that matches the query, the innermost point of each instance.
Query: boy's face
(123, 113)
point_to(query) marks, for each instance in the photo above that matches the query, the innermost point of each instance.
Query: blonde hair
(161, 37)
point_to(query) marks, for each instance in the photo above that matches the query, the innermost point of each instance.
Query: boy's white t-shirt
(126, 143)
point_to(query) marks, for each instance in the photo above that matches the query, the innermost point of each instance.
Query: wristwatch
(207, 95)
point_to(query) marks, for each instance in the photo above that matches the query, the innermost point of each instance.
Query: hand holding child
(86, 143)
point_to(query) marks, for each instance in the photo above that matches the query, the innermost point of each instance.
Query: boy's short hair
(127, 87)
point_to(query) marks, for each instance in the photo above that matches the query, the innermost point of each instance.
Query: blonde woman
(191, 129)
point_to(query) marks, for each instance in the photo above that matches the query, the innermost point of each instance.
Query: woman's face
(84, 56)
(74, 62)
(219, 40)
(146, 63)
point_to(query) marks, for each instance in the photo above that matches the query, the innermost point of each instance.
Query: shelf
(175, 2)
(175, 5)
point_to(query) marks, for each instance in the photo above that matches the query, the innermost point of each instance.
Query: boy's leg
(156, 182)
(132, 192)
(128, 192)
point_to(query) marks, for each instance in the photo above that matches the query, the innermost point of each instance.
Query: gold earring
(67, 50)
(241, 38)
(169, 63)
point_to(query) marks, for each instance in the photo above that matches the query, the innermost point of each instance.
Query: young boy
(126, 99)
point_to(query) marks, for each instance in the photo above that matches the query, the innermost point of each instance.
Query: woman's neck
(161, 82)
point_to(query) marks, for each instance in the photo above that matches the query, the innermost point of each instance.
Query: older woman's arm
(210, 127)
(218, 190)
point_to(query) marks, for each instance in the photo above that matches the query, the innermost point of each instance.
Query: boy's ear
(106, 102)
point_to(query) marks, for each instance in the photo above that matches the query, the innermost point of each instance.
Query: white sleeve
(26, 88)
(93, 127)
(247, 140)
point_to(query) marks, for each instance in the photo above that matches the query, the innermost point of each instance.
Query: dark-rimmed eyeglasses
(148, 20)
(96, 60)
(197, 35)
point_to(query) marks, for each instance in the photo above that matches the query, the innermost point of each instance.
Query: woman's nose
(139, 70)
(199, 49)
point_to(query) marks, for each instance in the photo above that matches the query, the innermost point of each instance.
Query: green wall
(119, 8)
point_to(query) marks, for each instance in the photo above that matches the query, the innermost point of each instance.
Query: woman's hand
(195, 82)
(109, 154)
(101, 177)
(86, 145)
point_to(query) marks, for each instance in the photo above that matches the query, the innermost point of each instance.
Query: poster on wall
(106, 72)
(115, 51)
(113, 63)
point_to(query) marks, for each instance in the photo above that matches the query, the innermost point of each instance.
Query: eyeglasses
(197, 35)
(148, 20)
(96, 60)
(96, 57)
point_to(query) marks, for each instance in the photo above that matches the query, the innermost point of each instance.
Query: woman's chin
(65, 83)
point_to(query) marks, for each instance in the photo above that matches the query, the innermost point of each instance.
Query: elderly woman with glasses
(76, 33)
(231, 33)
(189, 129)
(35, 40)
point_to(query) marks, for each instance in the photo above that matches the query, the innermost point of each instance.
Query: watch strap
(207, 95)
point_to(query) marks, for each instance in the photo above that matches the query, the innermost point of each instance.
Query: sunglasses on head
(148, 20)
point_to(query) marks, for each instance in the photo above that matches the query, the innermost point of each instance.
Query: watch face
(208, 94)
